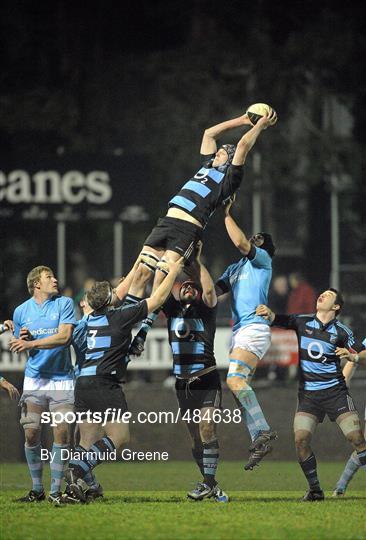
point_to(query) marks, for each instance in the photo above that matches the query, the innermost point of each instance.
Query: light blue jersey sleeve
(261, 259)
(16, 321)
(67, 315)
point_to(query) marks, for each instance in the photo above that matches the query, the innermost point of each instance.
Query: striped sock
(361, 456)
(35, 465)
(352, 466)
(89, 478)
(210, 460)
(248, 421)
(97, 453)
(249, 403)
(57, 467)
(309, 469)
(197, 454)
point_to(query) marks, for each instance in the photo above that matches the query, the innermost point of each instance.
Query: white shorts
(47, 393)
(255, 338)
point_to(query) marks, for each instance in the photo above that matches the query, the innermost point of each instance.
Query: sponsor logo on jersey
(44, 331)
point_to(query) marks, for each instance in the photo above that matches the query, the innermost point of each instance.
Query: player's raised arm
(208, 287)
(210, 135)
(248, 140)
(237, 236)
(162, 292)
(126, 282)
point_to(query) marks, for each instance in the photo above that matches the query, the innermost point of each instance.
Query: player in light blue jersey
(43, 326)
(248, 282)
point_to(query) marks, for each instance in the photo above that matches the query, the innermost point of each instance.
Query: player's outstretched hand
(246, 120)
(198, 249)
(18, 345)
(11, 390)
(345, 354)
(175, 266)
(25, 334)
(265, 312)
(269, 120)
(9, 325)
(227, 203)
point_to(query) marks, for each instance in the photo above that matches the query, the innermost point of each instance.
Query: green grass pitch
(148, 500)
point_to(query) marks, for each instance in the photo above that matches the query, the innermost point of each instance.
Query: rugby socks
(251, 411)
(210, 460)
(35, 466)
(197, 454)
(89, 478)
(352, 466)
(309, 469)
(57, 467)
(97, 453)
(247, 420)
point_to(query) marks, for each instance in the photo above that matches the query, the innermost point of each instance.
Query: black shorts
(332, 401)
(97, 394)
(202, 392)
(174, 234)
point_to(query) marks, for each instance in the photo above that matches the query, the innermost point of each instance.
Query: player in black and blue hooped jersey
(190, 209)
(98, 387)
(322, 389)
(192, 327)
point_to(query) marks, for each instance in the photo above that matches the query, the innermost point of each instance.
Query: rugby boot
(219, 495)
(32, 496)
(94, 493)
(257, 455)
(338, 493)
(56, 498)
(263, 438)
(77, 486)
(201, 491)
(312, 496)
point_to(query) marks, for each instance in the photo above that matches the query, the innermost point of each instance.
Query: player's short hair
(338, 299)
(34, 276)
(268, 244)
(99, 295)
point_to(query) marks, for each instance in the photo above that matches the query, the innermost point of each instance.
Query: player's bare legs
(304, 427)
(241, 370)
(31, 422)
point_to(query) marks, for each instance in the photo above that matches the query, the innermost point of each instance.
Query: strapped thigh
(304, 422)
(239, 368)
(350, 423)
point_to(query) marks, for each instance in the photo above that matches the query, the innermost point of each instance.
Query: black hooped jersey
(108, 340)
(207, 189)
(319, 367)
(191, 336)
